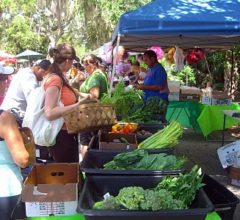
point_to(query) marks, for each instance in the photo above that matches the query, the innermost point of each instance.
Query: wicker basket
(89, 116)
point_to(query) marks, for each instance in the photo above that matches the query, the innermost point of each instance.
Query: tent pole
(114, 64)
(231, 76)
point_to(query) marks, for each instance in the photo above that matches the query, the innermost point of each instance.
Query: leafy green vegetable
(183, 187)
(171, 193)
(167, 137)
(125, 101)
(108, 203)
(125, 160)
(131, 197)
(153, 107)
(142, 160)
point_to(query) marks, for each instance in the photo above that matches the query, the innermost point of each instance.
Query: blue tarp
(187, 23)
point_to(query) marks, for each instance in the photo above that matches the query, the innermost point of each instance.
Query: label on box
(206, 100)
(173, 96)
(50, 208)
(235, 182)
(228, 154)
(221, 101)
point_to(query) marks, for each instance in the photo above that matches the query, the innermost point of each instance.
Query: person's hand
(136, 86)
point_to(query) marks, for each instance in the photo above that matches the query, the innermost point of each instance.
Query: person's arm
(82, 94)
(10, 133)
(51, 109)
(28, 84)
(150, 87)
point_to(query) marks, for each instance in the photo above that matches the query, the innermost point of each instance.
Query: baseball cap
(44, 64)
(6, 70)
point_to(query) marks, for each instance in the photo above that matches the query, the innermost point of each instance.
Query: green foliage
(99, 25)
(186, 76)
(124, 100)
(184, 187)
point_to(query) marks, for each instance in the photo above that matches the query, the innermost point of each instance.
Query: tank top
(10, 173)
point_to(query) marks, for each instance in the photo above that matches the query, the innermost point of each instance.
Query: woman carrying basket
(96, 84)
(66, 148)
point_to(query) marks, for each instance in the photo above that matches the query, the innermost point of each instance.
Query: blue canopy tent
(186, 23)
(213, 24)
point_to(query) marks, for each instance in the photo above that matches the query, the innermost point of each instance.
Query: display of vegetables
(152, 109)
(171, 193)
(126, 128)
(142, 160)
(167, 137)
(125, 101)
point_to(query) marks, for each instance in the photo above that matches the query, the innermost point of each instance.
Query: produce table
(202, 118)
(185, 112)
(211, 118)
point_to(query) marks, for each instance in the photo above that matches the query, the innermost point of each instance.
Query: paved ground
(203, 152)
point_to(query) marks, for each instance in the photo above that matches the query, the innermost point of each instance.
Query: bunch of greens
(126, 101)
(167, 137)
(183, 187)
(153, 107)
(142, 160)
(170, 193)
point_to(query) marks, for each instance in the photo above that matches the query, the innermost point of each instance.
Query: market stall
(208, 24)
(211, 118)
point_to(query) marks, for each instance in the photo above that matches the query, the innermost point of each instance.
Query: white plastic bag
(44, 131)
(178, 59)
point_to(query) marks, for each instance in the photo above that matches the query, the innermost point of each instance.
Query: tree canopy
(40, 24)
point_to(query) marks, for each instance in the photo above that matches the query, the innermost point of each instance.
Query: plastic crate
(94, 146)
(224, 200)
(93, 162)
(153, 128)
(96, 186)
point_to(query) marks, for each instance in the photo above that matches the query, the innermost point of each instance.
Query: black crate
(224, 200)
(93, 162)
(152, 128)
(96, 186)
(94, 146)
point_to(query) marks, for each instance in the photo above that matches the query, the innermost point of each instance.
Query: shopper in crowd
(5, 72)
(155, 82)
(96, 84)
(66, 147)
(77, 75)
(22, 84)
(13, 156)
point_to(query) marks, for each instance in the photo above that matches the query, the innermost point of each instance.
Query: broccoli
(109, 203)
(152, 201)
(131, 197)
(157, 200)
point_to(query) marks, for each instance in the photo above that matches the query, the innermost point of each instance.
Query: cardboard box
(228, 154)
(221, 101)
(51, 189)
(190, 90)
(190, 97)
(206, 100)
(174, 96)
(174, 86)
(107, 141)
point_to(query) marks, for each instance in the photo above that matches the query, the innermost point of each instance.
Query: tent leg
(114, 65)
